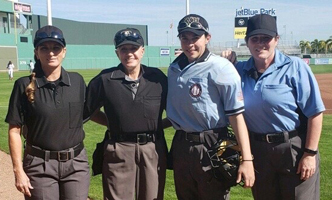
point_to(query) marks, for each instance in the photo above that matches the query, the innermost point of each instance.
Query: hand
(22, 183)
(307, 166)
(246, 172)
(230, 55)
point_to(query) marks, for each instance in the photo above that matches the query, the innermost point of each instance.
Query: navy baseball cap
(193, 23)
(261, 24)
(128, 36)
(49, 33)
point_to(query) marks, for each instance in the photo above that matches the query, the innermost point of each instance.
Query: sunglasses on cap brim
(193, 25)
(127, 35)
(52, 35)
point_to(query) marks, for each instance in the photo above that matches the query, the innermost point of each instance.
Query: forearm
(314, 131)
(15, 147)
(240, 129)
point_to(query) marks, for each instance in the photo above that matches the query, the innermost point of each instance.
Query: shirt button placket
(56, 97)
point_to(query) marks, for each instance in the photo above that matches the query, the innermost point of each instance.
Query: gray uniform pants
(192, 182)
(54, 180)
(276, 165)
(134, 171)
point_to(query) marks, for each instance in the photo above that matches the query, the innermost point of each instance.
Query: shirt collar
(182, 59)
(280, 60)
(41, 80)
(120, 74)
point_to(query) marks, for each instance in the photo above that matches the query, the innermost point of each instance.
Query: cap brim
(198, 32)
(129, 42)
(262, 32)
(49, 40)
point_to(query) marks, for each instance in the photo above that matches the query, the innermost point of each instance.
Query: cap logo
(129, 33)
(190, 20)
(195, 90)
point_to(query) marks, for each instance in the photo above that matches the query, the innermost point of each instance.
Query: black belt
(61, 156)
(199, 138)
(274, 137)
(140, 138)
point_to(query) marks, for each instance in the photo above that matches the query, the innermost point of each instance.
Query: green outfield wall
(89, 45)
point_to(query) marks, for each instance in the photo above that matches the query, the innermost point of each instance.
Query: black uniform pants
(276, 166)
(193, 177)
(54, 180)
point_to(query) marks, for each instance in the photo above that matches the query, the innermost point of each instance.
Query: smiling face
(130, 56)
(193, 45)
(262, 47)
(50, 54)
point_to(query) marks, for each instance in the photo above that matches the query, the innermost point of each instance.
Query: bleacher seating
(289, 48)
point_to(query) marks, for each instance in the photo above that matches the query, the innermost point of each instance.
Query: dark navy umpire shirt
(125, 114)
(55, 119)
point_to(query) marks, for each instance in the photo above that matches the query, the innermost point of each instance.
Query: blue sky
(297, 19)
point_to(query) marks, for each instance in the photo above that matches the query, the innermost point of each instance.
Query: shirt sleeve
(94, 97)
(308, 95)
(17, 104)
(228, 82)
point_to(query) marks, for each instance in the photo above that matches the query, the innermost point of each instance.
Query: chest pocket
(75, 114)
(151, 107)
(277, 95)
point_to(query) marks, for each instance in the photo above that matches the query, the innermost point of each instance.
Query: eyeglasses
(193, 25)
(260, 39)
(127, 35)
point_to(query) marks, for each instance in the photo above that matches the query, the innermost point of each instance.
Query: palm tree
(328, 45)
(304, 45)
(321, 46)
(315, 46)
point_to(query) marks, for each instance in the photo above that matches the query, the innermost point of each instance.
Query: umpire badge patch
(195, 90)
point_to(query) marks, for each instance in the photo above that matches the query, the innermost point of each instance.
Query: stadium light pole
(187, 7)
(49, 13)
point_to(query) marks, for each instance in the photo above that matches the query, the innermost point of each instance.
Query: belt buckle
(66, 153)
(186, 136)
(190, 138)
(267, 138)
(141, 138)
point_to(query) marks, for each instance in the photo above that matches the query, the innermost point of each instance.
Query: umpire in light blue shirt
(204, 96)
(284, 113)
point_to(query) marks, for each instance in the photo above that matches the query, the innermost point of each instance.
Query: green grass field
(94, 134)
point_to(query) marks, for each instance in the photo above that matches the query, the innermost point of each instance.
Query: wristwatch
(310, 151)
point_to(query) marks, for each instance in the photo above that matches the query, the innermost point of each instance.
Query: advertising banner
(241, 19)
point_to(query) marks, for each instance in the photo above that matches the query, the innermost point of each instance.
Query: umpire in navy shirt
(48, 106)
(134, 97)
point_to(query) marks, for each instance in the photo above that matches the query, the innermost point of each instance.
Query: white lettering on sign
(250, 12)
(22, 7)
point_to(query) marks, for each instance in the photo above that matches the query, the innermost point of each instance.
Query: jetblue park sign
(247, 12)
(241, 18)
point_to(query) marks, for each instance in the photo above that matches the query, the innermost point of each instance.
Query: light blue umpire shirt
(271, 102)
(202, 94)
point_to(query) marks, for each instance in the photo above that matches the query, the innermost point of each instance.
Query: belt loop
(286, 136)
(201, 137)
(72, 153)
(47, 156)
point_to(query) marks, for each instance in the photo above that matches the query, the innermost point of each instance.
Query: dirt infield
(7, 182)
(325, 86)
